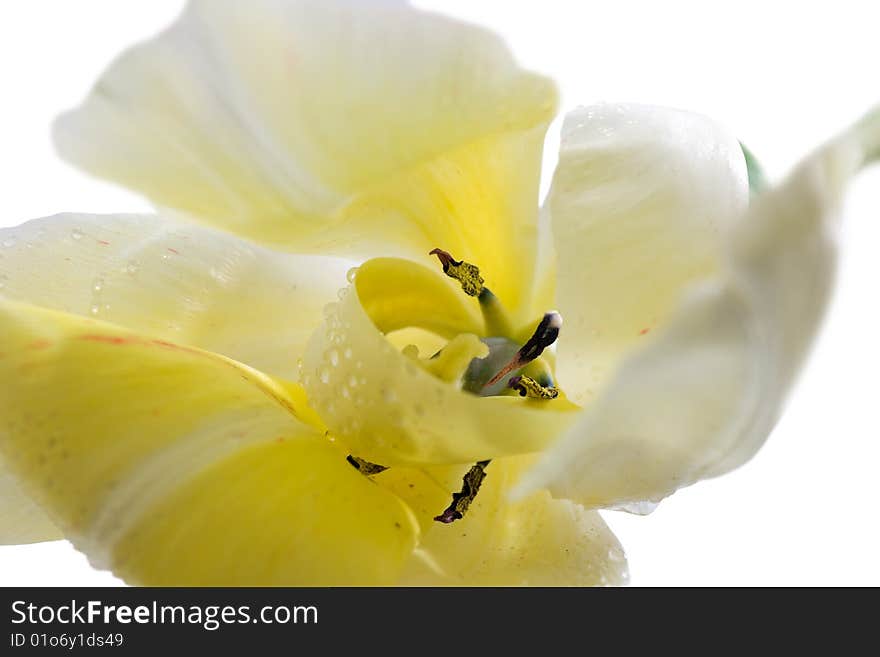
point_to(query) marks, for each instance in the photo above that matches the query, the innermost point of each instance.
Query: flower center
(486, 375)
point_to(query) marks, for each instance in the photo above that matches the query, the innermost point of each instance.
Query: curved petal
(171, 465)
(340, 126)
(702, 398)
(638, 202)
(174, 281)
(538, 541)
(389, 410)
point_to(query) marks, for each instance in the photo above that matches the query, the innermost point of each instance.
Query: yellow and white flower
(181, 391)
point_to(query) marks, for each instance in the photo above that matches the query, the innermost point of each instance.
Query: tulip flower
(351, 349)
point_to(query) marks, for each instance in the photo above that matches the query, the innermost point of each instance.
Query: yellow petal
(389, 410)
(538, 541)
(344, 127)
(703, 396)
(397, 294)
(171, 465)
(21, 520)
(637, 205)
(174, 281)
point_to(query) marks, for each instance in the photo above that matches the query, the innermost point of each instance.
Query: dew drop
(95, 309)
(334, 357)
(98, 285)
(348, 353)
(131, 267)
(352, 381)
(341, 294)
(324, 375)
(76, 234)
(351, 274)
(346, 393)
(9, 242)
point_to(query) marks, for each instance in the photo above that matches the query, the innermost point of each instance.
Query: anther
(544, 336)
(464, 272)
(461, 501)
(365, 467)
(526, 386)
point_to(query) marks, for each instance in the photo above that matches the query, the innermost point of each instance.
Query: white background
(783, 76)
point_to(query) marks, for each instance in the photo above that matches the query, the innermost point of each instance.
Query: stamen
(464, 272)
(526, 386)
(544, 336)
(461, 501)
(365, 467)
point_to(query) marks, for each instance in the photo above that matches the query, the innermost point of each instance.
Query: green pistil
(494, 314)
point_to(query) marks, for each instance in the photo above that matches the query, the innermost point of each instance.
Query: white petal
(336, 126)
(703, 397)
(174, 281)
(638, 201)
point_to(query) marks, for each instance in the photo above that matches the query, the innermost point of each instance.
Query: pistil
(544, 336)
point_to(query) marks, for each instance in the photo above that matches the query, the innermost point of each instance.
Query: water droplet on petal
(348, 353)
(98, 285)
(324, 375)
(9, 242)
(76, 234)
(95, 309)
(131, 267)
(352, 381)
(334, 357)
(351, 274)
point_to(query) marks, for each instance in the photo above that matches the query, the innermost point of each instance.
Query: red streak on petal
(39, 344)
(644, 331)
(104, 242)
(108, 339)
(174, 251)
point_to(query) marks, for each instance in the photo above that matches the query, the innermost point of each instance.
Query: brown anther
(461, 501)
(464, 272)
(526, 386)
